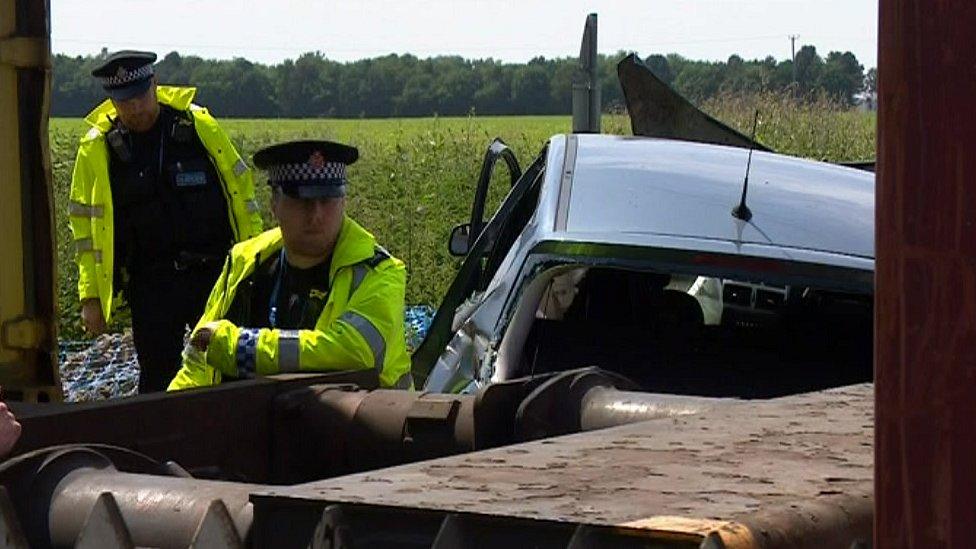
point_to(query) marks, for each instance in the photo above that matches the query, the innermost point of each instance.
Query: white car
(623, 253)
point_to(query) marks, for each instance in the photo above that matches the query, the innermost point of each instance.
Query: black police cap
(307, 169)
(126, 74)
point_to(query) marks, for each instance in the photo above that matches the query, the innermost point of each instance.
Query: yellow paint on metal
(22, 333)
(677, 524)
(713, 534)
(25, 53)
(731, 536)
(27, 336)
(11, 237)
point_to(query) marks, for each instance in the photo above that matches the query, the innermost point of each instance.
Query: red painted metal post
(925, 344)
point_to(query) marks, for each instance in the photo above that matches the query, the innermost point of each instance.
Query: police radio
(118, 139)
(182, 130)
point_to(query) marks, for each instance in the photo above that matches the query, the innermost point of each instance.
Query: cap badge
(121, 73)
(316, 160)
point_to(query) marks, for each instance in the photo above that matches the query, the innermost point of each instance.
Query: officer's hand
(201, 337)
(9, 430)
(91, 316)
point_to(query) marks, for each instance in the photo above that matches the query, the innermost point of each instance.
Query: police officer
(158, 197)
(317, 293)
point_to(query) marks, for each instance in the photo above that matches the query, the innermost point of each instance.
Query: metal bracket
(24, 52)
(22, 333)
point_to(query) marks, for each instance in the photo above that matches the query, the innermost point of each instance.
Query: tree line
(404, 85)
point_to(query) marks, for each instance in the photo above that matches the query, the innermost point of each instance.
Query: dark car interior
(630, 323)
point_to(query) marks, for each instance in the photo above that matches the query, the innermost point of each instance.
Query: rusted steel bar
(202, 430)
(827, 521)
(365, 430)
(925, 344)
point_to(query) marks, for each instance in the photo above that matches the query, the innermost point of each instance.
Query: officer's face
(139, 113)
(309, 226)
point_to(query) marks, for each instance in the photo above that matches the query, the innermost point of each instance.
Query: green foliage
(313, 86)
(871, 81)
(840, 76)
(415, 178)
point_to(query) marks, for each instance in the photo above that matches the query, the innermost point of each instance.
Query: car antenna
(742, 211)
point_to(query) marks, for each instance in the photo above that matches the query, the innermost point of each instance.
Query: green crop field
(415, 177)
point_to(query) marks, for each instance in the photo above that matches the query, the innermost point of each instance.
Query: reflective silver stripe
(358, 274)
(239, 167)
(78, 209)
(252, 206)
(369, 332)
(405, 382)
(83, 245)
(288, 351)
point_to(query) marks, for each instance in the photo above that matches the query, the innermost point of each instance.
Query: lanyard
(273, 305)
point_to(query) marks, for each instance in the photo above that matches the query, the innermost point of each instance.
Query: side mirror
(460, 240)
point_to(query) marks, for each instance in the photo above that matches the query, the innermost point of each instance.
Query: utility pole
(793, 38)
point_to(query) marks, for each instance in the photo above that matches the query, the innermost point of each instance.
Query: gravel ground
(107, 367)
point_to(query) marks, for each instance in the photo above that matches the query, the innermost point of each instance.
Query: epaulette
(379, 256)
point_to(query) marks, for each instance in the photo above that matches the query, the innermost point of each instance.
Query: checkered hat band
(118, 80)
(291, 173)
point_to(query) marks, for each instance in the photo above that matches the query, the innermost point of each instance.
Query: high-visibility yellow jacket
(360, 327)
(90, 210)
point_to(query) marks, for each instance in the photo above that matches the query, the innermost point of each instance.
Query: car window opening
(698, 335)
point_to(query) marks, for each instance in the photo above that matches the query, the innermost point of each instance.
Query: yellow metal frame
(26, 340)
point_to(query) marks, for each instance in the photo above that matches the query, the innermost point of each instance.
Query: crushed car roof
(649, 192)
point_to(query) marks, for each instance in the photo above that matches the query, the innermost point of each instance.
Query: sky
(271, 31)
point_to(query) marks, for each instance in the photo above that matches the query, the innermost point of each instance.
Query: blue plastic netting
(107, 367)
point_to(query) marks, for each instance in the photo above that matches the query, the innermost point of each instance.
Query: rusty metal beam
(925, 345)
(202, 430)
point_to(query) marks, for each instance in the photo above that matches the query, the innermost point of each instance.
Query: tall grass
(817, 127)
(415, 178)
